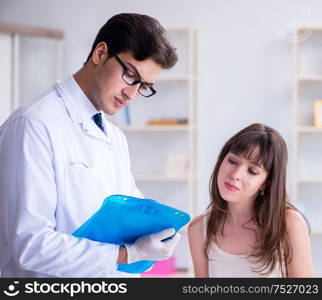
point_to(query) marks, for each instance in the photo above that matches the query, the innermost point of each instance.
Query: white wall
(244, 55)
(5, 77)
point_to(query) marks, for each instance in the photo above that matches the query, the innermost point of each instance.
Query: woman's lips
(231, 187)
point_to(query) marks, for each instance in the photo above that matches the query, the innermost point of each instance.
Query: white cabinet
(163, 157)
(307, 139)
(31, 62)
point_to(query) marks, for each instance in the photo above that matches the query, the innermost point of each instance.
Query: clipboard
(122, 219)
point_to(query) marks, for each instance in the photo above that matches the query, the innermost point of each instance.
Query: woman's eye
(232, 161)
(252, 172)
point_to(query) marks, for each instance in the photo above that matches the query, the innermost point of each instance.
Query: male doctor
(59, 158)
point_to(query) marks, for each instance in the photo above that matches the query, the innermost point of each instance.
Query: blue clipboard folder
(122, 219)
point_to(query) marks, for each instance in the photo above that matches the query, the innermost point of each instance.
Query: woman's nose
(236, 173)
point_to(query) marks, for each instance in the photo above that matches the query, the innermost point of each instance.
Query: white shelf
(157, 149)
(314, 78)
(311, 180)
(309, 28)
(160, 177)
(309, 129)
(316, 231)
(157, 128)
(28, 52)
(175, 78)
(306, 80)
(179, 28)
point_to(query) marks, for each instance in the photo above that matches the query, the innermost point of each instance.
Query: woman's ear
(262, 188)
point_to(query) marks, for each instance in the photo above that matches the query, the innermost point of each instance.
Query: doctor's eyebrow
(138, 74)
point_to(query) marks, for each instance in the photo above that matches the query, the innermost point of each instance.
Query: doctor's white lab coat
(56, 168)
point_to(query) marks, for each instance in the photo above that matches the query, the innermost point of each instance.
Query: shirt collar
(85, 106)
(80, 108)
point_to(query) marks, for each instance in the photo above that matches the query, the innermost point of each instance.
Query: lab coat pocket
(83, 191)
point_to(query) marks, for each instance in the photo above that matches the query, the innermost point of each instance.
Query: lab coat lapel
(91, 129)
(88, 126)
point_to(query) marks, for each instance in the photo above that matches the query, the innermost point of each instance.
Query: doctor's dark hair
(265, 147)
(140, 34)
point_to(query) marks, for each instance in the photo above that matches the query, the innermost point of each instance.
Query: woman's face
(240, 179)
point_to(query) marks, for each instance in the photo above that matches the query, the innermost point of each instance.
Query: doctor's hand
(151, 247)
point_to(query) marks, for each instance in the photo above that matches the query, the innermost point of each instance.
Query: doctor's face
(110, 92)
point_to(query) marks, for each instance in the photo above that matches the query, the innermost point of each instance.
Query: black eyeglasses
(131, 77)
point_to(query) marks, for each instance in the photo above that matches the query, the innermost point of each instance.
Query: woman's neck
(239, 214)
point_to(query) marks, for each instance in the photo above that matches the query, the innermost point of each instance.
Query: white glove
(151, 247)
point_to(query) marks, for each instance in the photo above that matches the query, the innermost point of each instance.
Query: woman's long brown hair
(269, 211)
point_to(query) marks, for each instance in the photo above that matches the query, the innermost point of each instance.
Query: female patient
(250, 229)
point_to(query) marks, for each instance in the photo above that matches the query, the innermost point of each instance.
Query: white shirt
(223, 264)
(56, 168)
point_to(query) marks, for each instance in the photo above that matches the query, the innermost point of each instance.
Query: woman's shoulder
(196, 231)
(295, 221)
(198, 221)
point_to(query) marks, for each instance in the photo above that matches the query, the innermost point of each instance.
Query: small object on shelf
(317, 109)
(167, 122)
(127, 115)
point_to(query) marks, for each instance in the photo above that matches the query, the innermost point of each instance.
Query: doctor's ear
(100, 54)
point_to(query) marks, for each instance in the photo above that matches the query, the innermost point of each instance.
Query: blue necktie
(98, 121)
